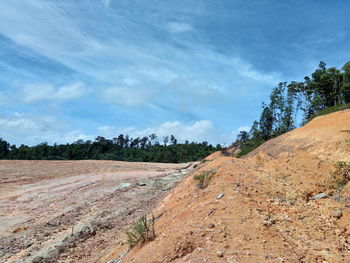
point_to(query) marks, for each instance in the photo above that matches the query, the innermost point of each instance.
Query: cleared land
(265, 207)
(75, 211)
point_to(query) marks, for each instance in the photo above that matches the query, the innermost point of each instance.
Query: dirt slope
(267, 213)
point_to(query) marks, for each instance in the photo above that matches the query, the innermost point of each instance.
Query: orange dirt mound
(266, 213)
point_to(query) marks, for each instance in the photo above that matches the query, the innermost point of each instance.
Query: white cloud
(21, 128)
(127, 96)
(187, 94)
(198, 131)
(178, 27)
(19, 125)
(42, 92)
(243, 128)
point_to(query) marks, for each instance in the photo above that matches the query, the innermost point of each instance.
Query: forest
(295, 103)
(120, 148)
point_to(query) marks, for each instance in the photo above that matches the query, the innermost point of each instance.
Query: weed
(341, 175)
(141, 231)
(204, 178)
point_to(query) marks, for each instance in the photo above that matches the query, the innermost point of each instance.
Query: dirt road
(74, 211)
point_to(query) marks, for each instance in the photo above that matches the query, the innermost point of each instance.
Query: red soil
(266, 213)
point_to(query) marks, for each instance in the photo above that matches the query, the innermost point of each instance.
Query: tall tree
(345, 88)
(266, 123)
(4, 149)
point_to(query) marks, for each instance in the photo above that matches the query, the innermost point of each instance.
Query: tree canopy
(325, 88)
(121, 148)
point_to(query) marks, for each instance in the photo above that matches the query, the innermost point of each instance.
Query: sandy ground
(75, 211)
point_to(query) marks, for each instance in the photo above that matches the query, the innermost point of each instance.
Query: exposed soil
(75, 211)
(261, 208)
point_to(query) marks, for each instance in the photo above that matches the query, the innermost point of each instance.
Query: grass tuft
(141, 231)
(204, 178)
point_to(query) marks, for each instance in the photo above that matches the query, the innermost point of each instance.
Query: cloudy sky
(198, 69)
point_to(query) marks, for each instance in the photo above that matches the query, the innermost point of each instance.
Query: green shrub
(330, 110)
(141, 231)
(249, 146)
(204, 178)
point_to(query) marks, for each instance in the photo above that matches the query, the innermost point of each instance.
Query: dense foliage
(121, 148)
(325, 91)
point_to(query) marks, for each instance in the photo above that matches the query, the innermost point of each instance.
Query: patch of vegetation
(329, 110)
(249, 146)
(141, 231)
(120, 148)
(327, 90)
(204, 178)
(341, 175)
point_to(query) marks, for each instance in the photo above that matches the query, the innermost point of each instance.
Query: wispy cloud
(126, 96)
(185, 60)
(47, 92)
(179, 27)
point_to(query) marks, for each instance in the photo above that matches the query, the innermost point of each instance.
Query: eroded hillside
(264, 207)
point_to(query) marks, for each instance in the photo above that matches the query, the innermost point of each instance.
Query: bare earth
(75, 211)
(262, 208)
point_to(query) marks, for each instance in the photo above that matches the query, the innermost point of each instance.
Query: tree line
(120, 148)
(295, 103)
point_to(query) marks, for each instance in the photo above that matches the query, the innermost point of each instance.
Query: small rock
(37, 259)
(269, 222)
(27, 244)
(211, 225)
(219, 254)
(321, 195)
(220, 196)
(337, 213)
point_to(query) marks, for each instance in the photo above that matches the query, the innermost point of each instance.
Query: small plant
(204, 178)
(141, 231)
(341, 175)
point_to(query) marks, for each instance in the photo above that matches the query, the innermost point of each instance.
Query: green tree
(243, 136)
(266, 123)
(345, 87)
(4, 149)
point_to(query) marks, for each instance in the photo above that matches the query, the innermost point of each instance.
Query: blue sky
(200, 70)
